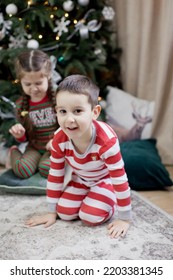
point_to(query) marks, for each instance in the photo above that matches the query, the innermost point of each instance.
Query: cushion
(143, 165)
(9, 182)
(129, 116)
(36, 184)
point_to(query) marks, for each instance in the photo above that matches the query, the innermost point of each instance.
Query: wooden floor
(162, 199)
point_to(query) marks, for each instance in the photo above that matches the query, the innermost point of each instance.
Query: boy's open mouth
(71, 128)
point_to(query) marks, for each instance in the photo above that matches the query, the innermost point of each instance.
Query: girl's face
(75, 115)
(35, 84)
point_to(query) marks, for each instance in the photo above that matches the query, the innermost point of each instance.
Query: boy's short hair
(80, 84)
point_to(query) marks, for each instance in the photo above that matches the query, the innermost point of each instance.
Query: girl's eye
(38, 84)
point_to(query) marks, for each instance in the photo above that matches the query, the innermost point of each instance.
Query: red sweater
(44, 121)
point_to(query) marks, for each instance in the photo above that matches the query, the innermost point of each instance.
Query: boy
(99, 183)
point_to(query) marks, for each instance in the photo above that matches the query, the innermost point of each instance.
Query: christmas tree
(77, 35)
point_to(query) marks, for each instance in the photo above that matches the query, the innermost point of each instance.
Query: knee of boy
(66, 213)
(89, 219)
(67, 217)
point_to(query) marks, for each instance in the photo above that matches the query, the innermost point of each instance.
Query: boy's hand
(47, 219)
(118, 228)
(17, 130)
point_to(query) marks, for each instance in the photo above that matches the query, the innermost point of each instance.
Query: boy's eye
(59, 110)
(78, 111)
(62, 111)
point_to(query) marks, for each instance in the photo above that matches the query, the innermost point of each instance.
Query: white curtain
(145, 34)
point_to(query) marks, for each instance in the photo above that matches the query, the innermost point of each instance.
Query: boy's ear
(96, 111)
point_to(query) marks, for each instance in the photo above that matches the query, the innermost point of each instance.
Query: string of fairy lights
(61, 17)
(12, 10)
(68, 6)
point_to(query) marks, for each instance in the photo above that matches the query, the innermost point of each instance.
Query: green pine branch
(96, 56)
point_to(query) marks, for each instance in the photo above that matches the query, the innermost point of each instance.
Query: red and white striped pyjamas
(93, 201)
(98, 183)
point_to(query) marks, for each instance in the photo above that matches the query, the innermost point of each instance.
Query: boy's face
(75, 115)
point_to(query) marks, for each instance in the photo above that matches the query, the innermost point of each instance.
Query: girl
(36, 118)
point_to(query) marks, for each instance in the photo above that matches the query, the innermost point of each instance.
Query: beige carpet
(150, 237)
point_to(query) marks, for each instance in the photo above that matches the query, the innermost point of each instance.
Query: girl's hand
(118, 228)
(17, 130)
(47, 219)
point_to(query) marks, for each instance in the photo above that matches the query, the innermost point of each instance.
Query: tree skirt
(150, 237)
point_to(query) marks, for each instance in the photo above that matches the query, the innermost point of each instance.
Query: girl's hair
(80, 84)
(32, 61)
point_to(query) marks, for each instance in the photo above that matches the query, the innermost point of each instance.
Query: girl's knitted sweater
(44, 122)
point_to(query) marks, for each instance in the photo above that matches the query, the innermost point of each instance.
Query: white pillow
(129, 116)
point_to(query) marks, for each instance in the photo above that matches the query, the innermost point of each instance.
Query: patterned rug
(150, 237)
